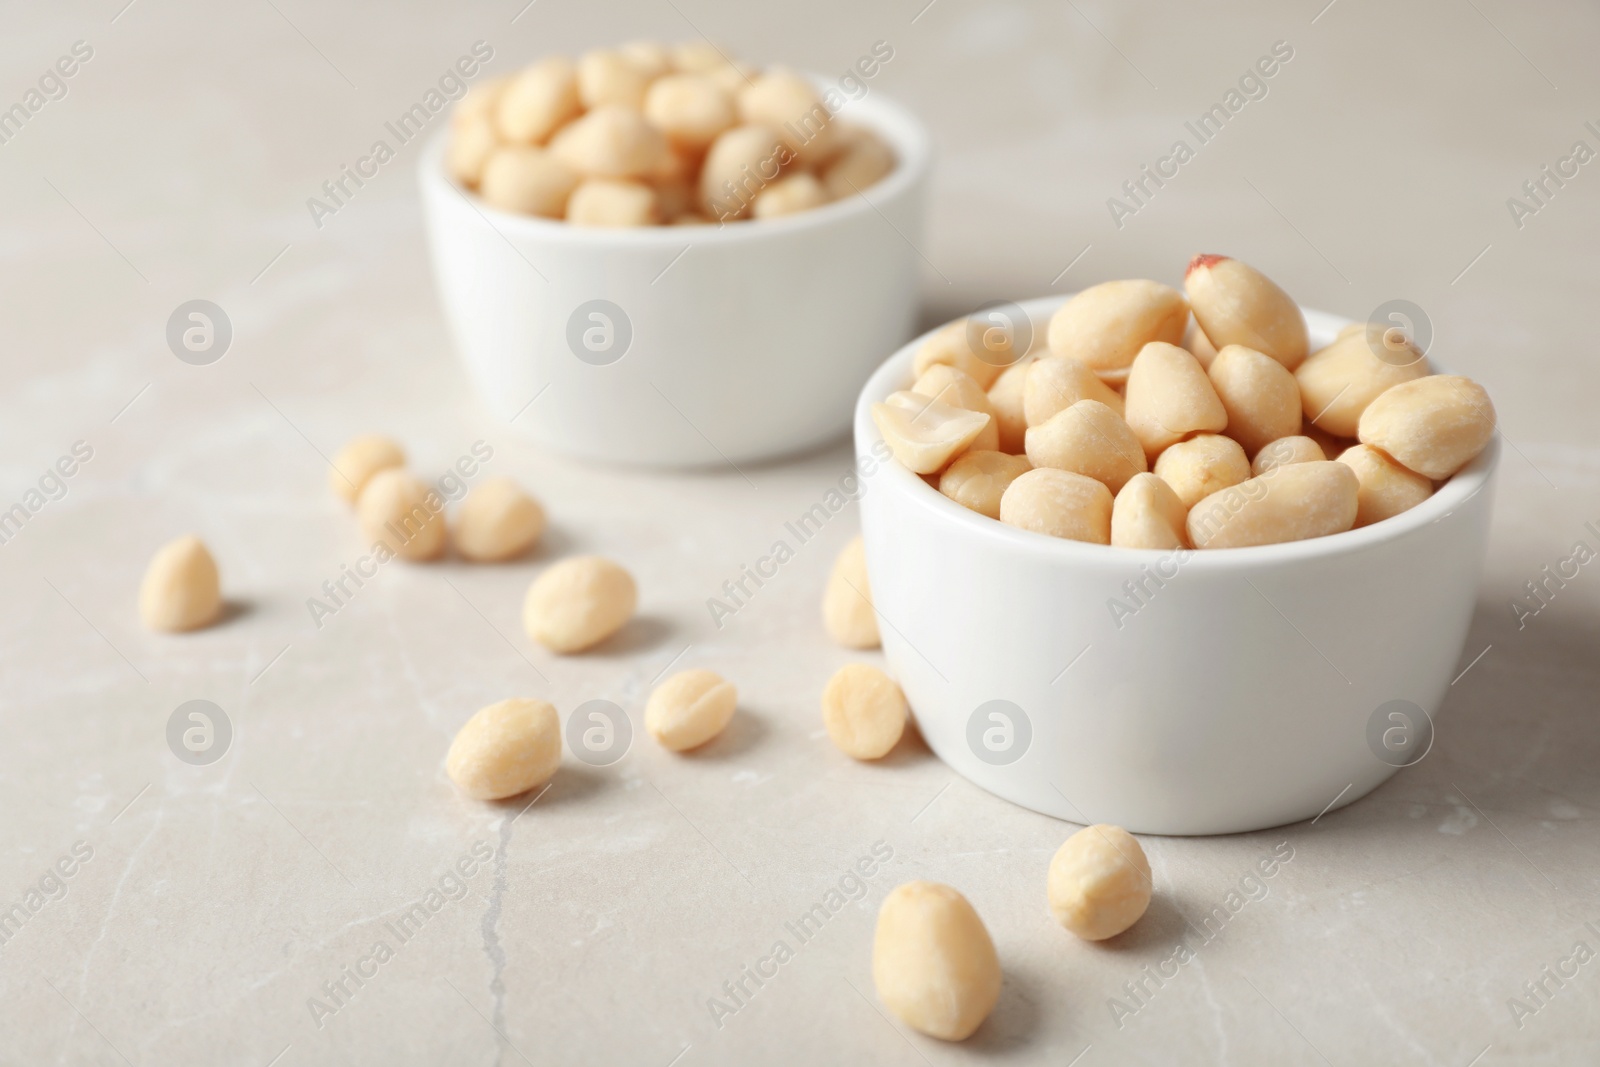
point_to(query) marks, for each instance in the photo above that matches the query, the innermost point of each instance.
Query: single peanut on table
(1262, 398)
(181, 588)
(1091, 439)
(505, 749)
(497, 521)
(1201, 465)
(933, 962)
(1058, 382)
(404, 513)
(1106, 325)
(1235, 304)
(578, 603)
(847, 612)
(689, 709)
(1148, 514)
(359, 460)
(1434, 425)
(1169, 397)
(1060, 504)
(1285, 450)
(1386, 488)
(924, 434)
(1338, 382)
(864, 711)
(1288, 503)
(1099, 883)
(978, 479)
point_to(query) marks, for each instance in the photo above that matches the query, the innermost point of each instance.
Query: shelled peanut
(646, 134)
(1196, 419)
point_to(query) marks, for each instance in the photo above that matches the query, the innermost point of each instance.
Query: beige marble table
(210, 908)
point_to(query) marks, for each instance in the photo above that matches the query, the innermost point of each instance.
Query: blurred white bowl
(1249, 688)
(714, 344)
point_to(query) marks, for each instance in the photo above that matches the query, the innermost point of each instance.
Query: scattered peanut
(1088, 438)
(1204, 464)
(933, 962)
(1338, 382)
(1105, 326)
(497, 521)
(1169, 397)
(527, 180)
(181, 589)
(689, 709)
(361, 458)
(1289, 503)
(578, 603)
(1434, 426)
(1386, 488)
(1099, 883)
(505, 749)
(864, 711)
(612, 202)
(1235, 304)
(847, 612)
(1148, 514)
(1060, 504)
(924, 434)
(1262, 399)
(1286, 450)
(1056, 383)
(404, 513)
(979, 479)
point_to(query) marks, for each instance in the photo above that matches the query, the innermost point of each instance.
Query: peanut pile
(1140, 428)
(648, 134)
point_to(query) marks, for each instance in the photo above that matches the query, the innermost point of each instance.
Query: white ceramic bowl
(1241, 692)
(748, 341)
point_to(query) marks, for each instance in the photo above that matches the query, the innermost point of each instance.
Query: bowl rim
(905, 132)
(894, 373)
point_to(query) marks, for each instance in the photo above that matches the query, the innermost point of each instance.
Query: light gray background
(218, 900)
